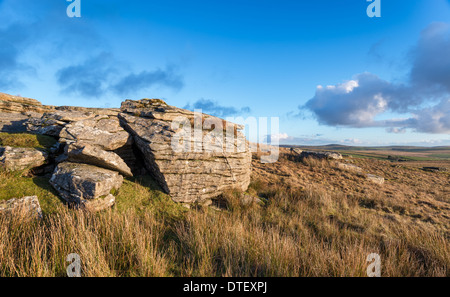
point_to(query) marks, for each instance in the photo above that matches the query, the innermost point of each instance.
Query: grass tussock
(110, 244)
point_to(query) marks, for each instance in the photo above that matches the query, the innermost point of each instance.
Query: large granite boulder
(16, 158)
(94, 155)
(28, 206)
(86, 185)
(191, 175)
(102, 131)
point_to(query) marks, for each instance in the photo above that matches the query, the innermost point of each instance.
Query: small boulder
(29, 205)
(321, 155)
(350, 167)
(296, 151)
(247, 199)
(375, 179)
(91, 154)
(80, 183)
(435, 169)
(17, 158)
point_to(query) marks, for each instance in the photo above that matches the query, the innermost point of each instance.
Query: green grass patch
(26, 140)
(441, 156)
(144, 194)
(14, 185)
(141, 193)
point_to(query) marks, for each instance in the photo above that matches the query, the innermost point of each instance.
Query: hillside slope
(313, 219)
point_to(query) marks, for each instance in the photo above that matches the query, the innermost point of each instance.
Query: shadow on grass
(46, 141)
(48, 198)
(146, 181)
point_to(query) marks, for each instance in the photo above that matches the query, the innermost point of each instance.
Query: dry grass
(110, 244)
(315, 220)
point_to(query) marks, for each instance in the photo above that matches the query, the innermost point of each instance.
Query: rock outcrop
(200, 171)
(101, 145)
(28, 206)
(17, 104)
(16, 159)
(86, 185)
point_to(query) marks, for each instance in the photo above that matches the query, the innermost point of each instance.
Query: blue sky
(383, 80)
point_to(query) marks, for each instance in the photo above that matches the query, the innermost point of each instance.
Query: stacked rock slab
(16, 158)
(91, 168)
(102, 131)
(86, 185)
(91, 154)
(203, 171)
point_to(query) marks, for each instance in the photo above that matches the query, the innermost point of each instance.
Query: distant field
(402, 153)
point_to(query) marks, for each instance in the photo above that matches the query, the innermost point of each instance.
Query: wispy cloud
(215, 109)
(146, 79)
(103, 74)
(88, 79)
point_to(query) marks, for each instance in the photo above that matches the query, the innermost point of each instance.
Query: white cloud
(357, 102)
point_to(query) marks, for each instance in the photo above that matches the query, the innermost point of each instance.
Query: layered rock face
(209, 161)
(91, 154)
(85, 184)
(99, 146)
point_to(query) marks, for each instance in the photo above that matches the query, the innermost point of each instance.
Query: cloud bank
(102, 74)
(425, 97)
